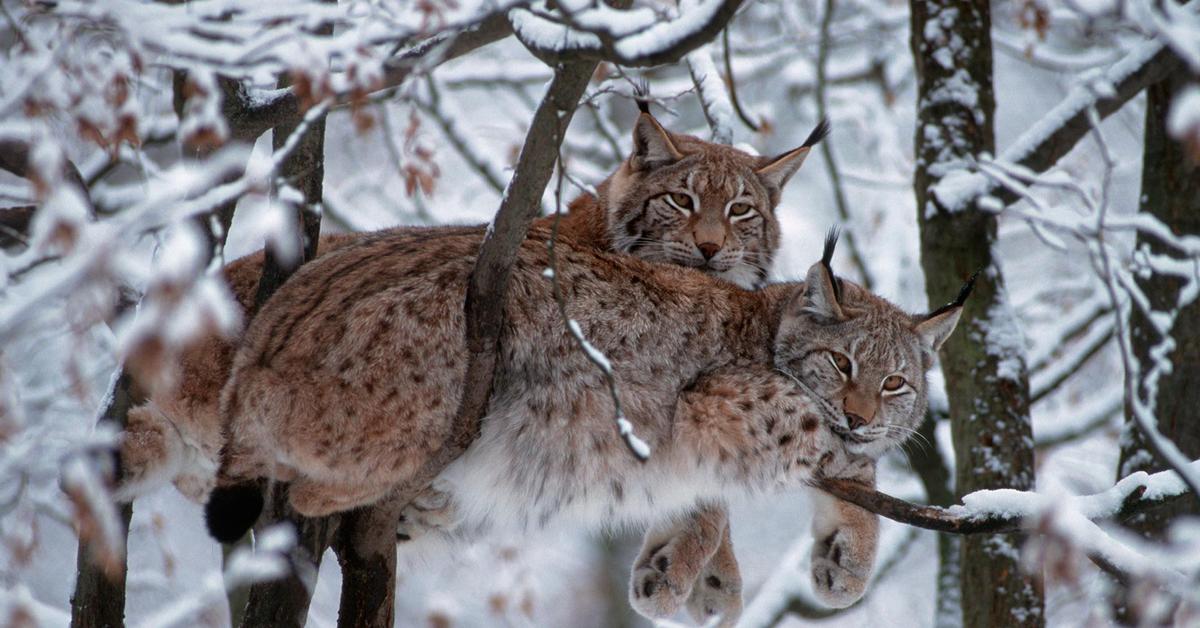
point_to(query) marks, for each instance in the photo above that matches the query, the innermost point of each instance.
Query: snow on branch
(1052, 137)
(1010, 510)
(629, 38)
(714, 101)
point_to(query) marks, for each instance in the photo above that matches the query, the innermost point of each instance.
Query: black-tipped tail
(818, 134)
(232, 510)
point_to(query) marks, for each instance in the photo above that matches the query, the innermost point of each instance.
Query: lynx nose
(855, 421)
(708, 249)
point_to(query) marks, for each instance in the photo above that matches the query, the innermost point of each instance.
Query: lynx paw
(837, 580)
(716, 594)
(653, 592)
(431, 510)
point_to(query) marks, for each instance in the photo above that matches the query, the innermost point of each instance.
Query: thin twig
(636, 446)
(732, 84)
(835, 177)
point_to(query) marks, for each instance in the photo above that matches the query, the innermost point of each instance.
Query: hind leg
(151, 452)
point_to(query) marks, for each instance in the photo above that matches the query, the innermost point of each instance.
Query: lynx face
(864, 355)
(681, 200)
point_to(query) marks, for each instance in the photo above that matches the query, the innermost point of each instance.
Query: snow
(57, 353)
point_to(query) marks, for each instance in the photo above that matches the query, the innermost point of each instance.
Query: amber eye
(840, 361)
(740, 209)
(893, 383)
(680, 200)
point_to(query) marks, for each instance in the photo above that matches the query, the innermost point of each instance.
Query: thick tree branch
(659, 43)
(253, 118)
(1134, 494)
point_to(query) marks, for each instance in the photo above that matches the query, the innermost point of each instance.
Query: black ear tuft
(818, 134)
(831, 238)
(232, 510)
(641, 94)
(959, 300)
(965, 291)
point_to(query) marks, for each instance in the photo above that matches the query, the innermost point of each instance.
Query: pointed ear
(937, 326)
(652, 145)
(775, 173)
(822, 293)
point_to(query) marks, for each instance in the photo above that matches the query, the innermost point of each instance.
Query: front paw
(431, 510)
(837, 582)
(716, 594)
(653, 593)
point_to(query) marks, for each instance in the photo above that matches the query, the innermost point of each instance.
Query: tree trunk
(986, 378)
(1171, 193)
(284, 602)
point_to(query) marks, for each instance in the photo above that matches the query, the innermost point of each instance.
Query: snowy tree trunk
(99, 597)
(1170, 193)
(986, 379)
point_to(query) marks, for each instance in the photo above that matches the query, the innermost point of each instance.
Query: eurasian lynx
(673, 200)
(348, 377)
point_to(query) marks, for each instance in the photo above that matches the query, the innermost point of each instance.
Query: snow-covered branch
(1047, 141)
(629, 38)
(1008, 510)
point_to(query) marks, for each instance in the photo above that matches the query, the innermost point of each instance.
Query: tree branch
(661, 42)
(1135, 493)
(1047, 141)
(255, 118)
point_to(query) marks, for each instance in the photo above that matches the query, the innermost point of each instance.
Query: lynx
(670, 201)
(347, 380)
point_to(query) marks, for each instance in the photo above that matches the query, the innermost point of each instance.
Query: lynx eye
(680, 200)
(740, 209)
(892, 383)
(841, 362)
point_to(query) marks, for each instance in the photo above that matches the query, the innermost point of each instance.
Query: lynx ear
(822, 294)
(652, 145)
(937, 326)
(776, 172)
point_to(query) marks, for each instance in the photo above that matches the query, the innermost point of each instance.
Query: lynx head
(863, 354)
(681, 200)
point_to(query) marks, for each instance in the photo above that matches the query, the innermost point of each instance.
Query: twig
(835, 178)
(732, 84)
(1162, 448)
(485, 170)
(636, 446)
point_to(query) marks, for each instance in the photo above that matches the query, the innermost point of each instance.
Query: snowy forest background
(130, 129)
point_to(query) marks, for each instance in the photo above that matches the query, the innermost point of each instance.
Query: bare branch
(732, 83)
(835, 179)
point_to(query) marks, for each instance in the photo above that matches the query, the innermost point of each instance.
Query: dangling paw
(718, 592)
(656, 589)
(431, 510)
(838, 579)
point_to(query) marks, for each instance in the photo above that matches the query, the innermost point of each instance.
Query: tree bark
(986, 378)
(285, 602)
(99, 597)
(1171, 193)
